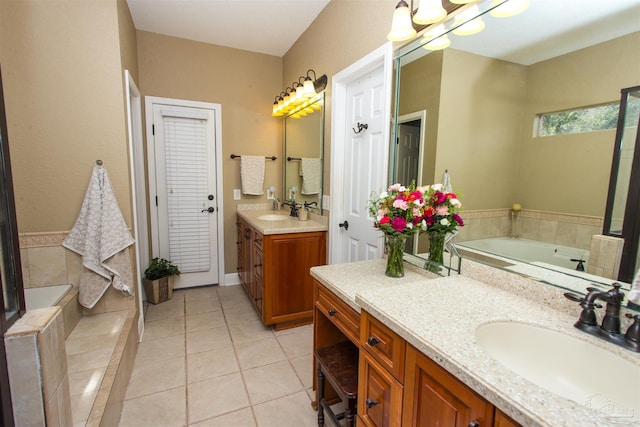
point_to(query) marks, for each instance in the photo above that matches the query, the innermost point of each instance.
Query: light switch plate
(271, 193)
(325, 202)
(236, 194)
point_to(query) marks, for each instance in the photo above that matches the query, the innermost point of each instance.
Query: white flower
(402, 188)
(455, 202)
(384, 194)
(437, 187)
(444, 221)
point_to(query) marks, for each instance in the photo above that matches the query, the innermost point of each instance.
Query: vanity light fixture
(401, 26)
(465, 24)
(508, 8)
(300, 98)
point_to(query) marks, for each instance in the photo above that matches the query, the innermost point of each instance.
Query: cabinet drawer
(385, 346)
(258, 240)
(340, 314)
(379, 394)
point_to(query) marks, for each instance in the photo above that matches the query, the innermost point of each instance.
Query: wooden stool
(339, 365)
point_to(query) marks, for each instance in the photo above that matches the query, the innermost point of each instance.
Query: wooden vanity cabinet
(274, 271)
(434, 397)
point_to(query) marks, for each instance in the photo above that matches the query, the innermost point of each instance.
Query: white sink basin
(566, 366)
(273, 217)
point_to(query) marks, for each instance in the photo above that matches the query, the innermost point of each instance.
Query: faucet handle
(633, 332)
(581, 299)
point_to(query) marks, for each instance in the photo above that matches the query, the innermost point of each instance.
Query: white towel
(252, 174)
(634, 295)
(100, 235)
(310, 171)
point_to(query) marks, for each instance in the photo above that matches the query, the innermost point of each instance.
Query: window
(579, 120)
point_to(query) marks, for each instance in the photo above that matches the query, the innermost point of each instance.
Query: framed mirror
(475, 111)
(303, 156)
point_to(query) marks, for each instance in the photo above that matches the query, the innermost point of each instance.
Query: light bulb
(401, 27)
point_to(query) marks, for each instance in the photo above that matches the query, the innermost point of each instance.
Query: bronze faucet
(610, 328)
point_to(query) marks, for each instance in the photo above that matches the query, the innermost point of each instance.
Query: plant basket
(159, 290)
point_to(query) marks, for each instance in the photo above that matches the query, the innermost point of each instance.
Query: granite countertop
(288, 224)
(439, 316)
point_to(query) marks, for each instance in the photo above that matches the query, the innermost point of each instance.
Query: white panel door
(186, 199)
(364, 166)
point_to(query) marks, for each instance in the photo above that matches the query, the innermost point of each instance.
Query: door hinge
(156, 200)
(153, 129)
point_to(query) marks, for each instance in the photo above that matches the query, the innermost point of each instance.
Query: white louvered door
(186, 200)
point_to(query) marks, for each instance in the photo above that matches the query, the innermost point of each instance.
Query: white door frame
(138, 204)
(382, 57)
(422, 116)
(149, 101)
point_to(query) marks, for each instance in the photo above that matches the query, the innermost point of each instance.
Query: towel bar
(236, 156)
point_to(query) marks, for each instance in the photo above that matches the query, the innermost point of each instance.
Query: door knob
(209, 209)
(344, 224)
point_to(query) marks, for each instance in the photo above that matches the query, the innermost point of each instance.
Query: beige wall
(578, 164)
(63, 92)
(345, 31)
(244, 83)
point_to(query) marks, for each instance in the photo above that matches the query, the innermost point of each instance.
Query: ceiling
(263, 26)
(272, 26)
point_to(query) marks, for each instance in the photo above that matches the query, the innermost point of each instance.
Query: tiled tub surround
(109, 359)
(575, 231)
(439, 317)
(38, 369)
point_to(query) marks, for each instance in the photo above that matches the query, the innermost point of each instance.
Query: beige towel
(101, 236)
(252, 174)
(634, 295)
(310, 171)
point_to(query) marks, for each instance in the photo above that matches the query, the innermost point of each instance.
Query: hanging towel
(252, 174)
(310, 170)
(100, 235)
(446, 182)
(634, 295)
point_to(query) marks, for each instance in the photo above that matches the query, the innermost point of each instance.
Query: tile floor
(207, 360)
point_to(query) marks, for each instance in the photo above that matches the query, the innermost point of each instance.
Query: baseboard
(231, 279)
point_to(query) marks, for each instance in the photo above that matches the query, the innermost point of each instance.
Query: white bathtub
(531, 251)
(45, 296)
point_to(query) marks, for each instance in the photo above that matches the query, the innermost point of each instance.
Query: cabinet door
(288, 287)
(247, 268)
(503, 420)
(433, 397)
(379, 394)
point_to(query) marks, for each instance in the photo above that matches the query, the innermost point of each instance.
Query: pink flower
(384, 220)
(395, 187)
(400, 204)
(442, 210)
(416, 213)
(399, 224)
(457, 218)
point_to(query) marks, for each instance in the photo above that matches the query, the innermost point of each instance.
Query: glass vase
(395, 252)
(436, 248)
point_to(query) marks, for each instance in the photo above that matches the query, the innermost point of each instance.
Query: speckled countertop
(287, 225)
(439, 317)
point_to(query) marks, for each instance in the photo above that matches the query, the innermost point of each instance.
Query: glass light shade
(440, 43)
(460, 1)
(508, 8)
(429, 11)
(401, 27)
(472, 25)
(309, 90)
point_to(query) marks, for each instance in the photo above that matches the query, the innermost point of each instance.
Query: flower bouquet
(402, 211)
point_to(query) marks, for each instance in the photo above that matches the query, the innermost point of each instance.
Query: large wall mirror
(303, 156)
(473, 111)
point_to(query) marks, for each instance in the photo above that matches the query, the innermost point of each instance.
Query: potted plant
(158, 280)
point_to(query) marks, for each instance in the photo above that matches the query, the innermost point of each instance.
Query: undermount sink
(567, 366)
(273, 217)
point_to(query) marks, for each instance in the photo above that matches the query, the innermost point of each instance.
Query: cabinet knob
(474, 423)
(332, 312)
(257, 299)
(257, 265)
(371, 403)
(258, 241)
(372, 341)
